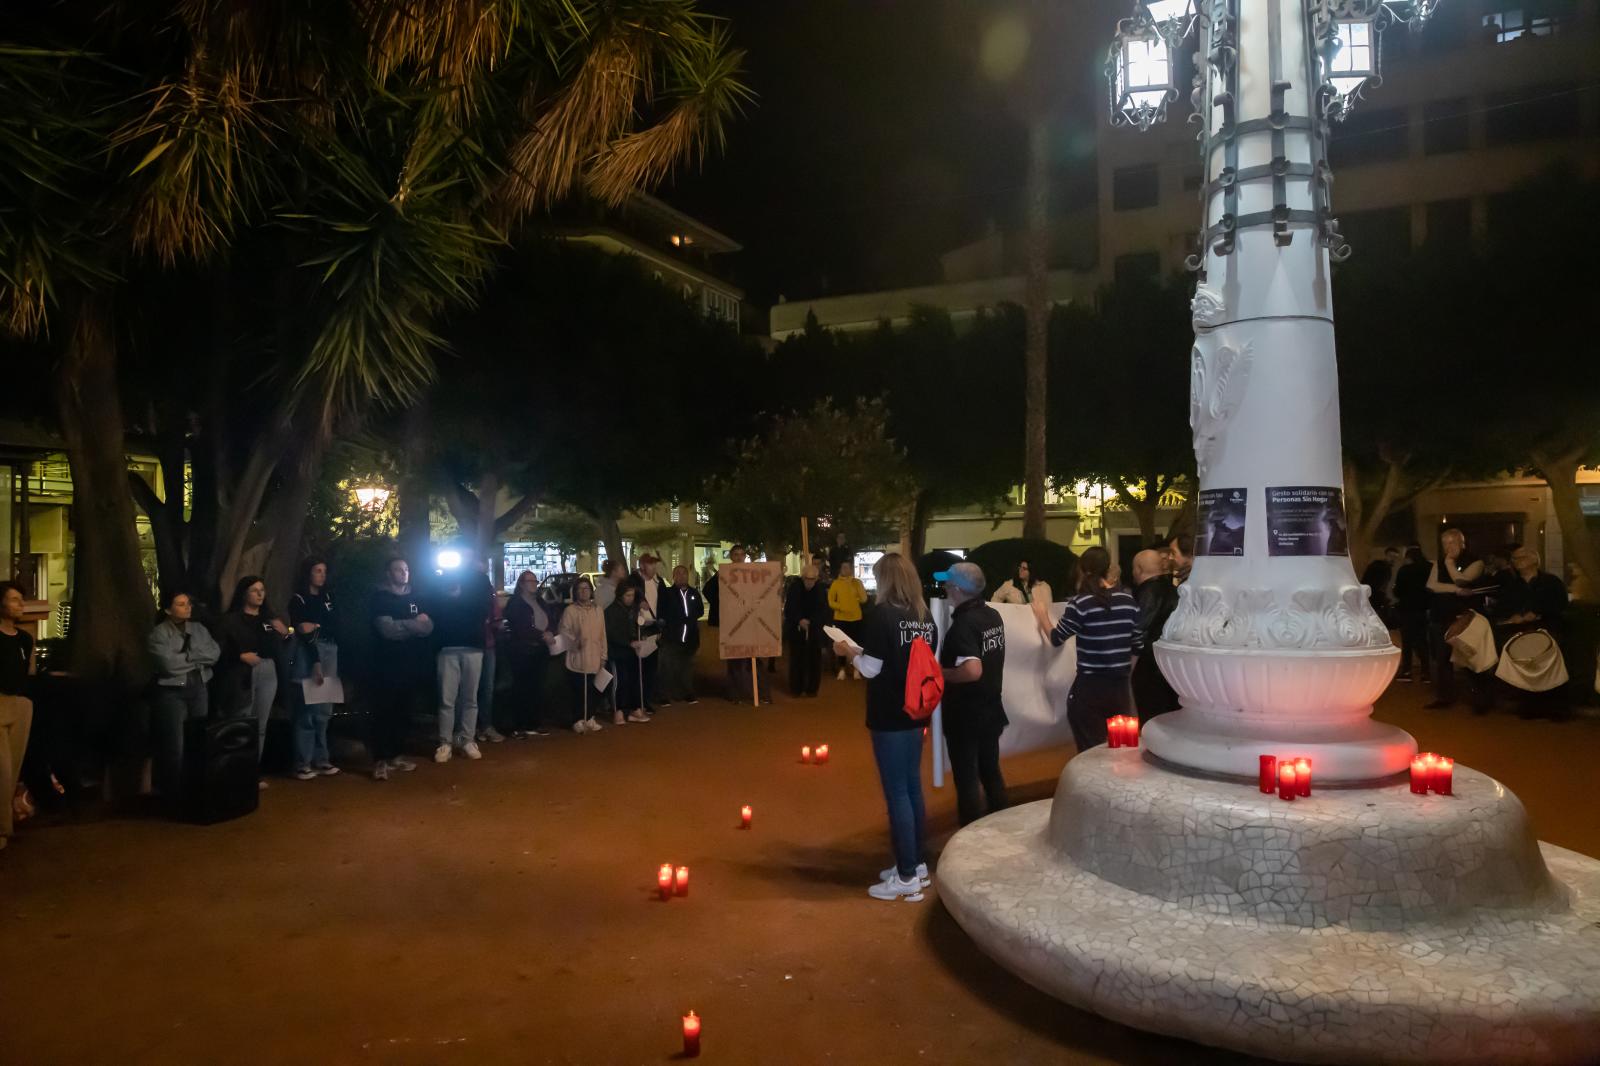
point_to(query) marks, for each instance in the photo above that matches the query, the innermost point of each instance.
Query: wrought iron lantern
(1139, 66)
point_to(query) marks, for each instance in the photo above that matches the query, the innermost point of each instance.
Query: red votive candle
(1287, 785)
(805, 753)
(1443, 778)
(664, 879)
(1130, 731)
(822, 754)
(1269, 774)
(745, 814)
(691, 1035)
(1420, 771)
(1114, 732)
(1302, 776)
(680, 884)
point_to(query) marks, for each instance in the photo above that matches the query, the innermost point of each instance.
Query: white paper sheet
(330, 690)
(602, 680)
(559, 645)
(838, 635)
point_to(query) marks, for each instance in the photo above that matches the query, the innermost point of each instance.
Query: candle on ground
(745, 814)
(805, 753)
(1269, 774)
(1302, 776)
(664, 879)
(1444, 775)
(1420, 773)
(822, 753)
(1287, 785)
(680, 884)
(691, 1035)
(1114, 732)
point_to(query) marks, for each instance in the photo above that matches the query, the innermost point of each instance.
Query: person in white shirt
(1451, 586)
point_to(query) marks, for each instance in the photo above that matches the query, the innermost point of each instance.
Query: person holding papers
(583, 633)
(533, 636)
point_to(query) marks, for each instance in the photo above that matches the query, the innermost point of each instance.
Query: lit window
(702, 514)
(1509, 25)
(720, 306)
(672, 514)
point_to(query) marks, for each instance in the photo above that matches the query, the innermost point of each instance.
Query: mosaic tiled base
(1354, 926)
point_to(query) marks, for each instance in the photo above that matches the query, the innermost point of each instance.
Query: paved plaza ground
(504, 911)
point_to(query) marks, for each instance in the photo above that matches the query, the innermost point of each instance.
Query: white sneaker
(923, 877)
(894, 888)
(441, 753)
(618, 719)
(380, 771)
(471, 751)
(579, 728)
(306, 773)
(841, 673)
(404, 765)
(592, 726)
(493, 736)
(638, 716)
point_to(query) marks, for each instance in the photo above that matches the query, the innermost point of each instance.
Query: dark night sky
(877, 141)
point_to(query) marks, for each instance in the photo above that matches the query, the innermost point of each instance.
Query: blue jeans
(459, 672)
(311, 719)
(899, 755)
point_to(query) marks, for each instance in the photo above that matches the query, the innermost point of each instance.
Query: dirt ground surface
(505, 910)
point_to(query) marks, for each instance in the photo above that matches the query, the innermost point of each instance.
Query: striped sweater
(1104, 632)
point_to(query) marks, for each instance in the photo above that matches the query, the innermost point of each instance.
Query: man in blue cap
(974, 660)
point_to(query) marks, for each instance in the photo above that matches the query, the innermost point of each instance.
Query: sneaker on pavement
(841, 673)
(618, 719)
(471, 750)
(327, 769)
(306, 773)
(638, 716)
(262, 785)
(923, 876)
(441, 753)
(894, 888)
(579, 728)
(404, 765)
(592, 726)
(539, 731)
(493, 736)
(691, 701)
(380, 771)
(662, 703)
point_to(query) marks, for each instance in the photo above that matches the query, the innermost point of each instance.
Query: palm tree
(378, 151)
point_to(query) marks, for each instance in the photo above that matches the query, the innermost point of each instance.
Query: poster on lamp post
(1306, 520)
(750, 602)
(1219, 527)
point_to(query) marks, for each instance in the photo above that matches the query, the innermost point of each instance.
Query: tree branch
(463, 504)
(514, 513)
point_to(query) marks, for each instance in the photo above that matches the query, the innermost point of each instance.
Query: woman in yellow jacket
(845, 598)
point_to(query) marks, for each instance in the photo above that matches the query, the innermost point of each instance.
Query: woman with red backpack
(903, 686)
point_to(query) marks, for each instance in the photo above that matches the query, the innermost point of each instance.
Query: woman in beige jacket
(583, 631)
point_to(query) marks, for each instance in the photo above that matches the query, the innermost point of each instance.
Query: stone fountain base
(1354, 925)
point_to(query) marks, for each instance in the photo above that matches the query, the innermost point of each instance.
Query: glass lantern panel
(1145, 66)
(1355, 53)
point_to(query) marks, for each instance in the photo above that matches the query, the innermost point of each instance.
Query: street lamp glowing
(371, 497)
(1141, 75)
(1168, 12)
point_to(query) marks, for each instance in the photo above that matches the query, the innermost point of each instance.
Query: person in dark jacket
(649, 591)
(1411, 613)
(884, 658)
(532, 632)
(681, 608)
(1157, 598)
(316, 658)
(805, 612)
(624, 642)
(973, 657)
(401, 666)
(461, 612)
(1379, 577)
(252, 640)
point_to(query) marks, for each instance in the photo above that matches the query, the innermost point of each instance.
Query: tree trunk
(285, 520)
(1036, 307)
(111, 607)
(921, 515)
(1561, 474)
(416, 506)
(611, 536)
(172, 573)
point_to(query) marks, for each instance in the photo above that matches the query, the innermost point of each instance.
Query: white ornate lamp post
(1274, 641)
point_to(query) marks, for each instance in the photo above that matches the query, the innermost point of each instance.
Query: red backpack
(924, 681)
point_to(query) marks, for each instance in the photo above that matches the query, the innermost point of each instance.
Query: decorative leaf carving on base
(1307, 619)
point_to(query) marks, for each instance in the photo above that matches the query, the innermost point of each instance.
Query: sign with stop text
(750, 603)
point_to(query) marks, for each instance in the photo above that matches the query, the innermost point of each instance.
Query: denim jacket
(179, 653)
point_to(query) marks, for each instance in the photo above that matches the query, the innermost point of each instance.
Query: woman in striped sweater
(1102, 616)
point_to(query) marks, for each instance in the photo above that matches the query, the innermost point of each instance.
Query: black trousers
(975, 766)
(805, 664)
(1151, 693)
(741, 685)
(1093, 699)
(529, 708)
(650, 675)
(1414, 642)
(395, 697)
(625, 664)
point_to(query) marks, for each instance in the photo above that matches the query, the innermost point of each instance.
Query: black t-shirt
(976, 632)
(15, 653)
(886, 634)
(242, 633)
